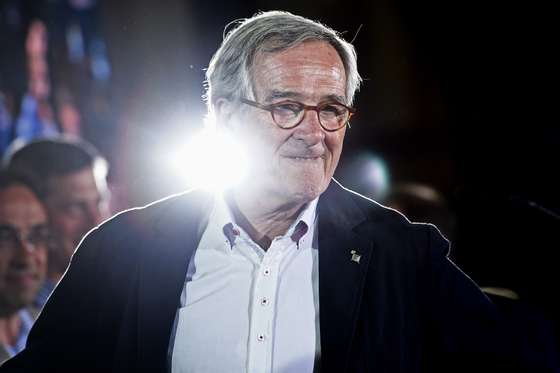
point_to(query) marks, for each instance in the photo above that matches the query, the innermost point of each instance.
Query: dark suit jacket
(403, 308)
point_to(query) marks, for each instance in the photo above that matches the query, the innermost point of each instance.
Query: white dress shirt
(244, 309)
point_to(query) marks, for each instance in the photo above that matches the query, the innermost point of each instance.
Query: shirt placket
(263, 309)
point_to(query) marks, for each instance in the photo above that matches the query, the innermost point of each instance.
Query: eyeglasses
(11, 238)
(332, 115)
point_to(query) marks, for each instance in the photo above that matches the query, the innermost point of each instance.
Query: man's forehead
(310, 69)
(82, 179)
(276, 94)
(74, 195)
(19, 205)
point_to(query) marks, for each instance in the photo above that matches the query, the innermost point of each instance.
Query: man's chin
(292, 185)
(15, 303)
(307, 189)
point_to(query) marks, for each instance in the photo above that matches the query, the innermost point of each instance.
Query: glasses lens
(39, 236)
(11, 239)
(8, 237)
(287, 114)
(333, 116)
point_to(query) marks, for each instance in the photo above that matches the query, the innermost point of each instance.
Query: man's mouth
(305, 158)
(22, 278)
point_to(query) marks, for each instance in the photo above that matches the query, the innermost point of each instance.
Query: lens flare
(211, 160)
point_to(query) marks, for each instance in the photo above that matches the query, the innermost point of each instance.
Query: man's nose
(310, 130)
(24, 250)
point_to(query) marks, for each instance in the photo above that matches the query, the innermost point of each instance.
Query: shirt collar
(302, 227)
(223, 218)
(26, 323)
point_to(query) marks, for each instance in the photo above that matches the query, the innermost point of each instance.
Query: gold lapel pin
(355, 256)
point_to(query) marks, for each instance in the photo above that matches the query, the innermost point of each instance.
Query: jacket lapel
(344, 258)
(167, 253)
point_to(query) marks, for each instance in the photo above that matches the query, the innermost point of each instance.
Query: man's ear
(224, 110)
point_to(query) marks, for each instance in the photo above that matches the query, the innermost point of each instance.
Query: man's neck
(10, 327)
(262, 217)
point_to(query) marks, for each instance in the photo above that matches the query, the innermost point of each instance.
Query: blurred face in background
(23, 248)
(76, 203)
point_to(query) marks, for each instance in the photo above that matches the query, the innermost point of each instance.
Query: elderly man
(286, 272)
(23, 259)
(73, 175)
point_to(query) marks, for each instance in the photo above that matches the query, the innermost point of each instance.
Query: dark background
(456, 95)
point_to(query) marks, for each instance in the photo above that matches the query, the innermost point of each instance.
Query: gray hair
(228, 74)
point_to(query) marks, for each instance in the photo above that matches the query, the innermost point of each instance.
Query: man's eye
(39, 235)
(74, 209)
(333, 109)
(40, 231)
(287, 108)
(6, 234)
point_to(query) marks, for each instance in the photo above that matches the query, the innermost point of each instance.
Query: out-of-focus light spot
(366, 173)
(75, 43)
(377, 174)
(210, 160)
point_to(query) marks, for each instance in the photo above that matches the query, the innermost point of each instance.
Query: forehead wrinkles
(312, 68)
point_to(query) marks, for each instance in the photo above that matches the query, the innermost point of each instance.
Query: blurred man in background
(23, 259)
(73, 177)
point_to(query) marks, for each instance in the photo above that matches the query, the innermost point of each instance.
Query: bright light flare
(377, 173)
(211, 160)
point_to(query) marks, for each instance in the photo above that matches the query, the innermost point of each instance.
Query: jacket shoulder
(127, 231)
(391, 226)
(140, 219)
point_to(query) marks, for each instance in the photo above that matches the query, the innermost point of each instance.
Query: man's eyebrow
(40, 226)
(275, 95)
(336, 98)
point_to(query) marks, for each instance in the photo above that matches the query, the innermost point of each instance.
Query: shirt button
(261, 337)
(264, 301)
(266, 271)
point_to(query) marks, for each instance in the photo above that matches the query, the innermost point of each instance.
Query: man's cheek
(67, 229)
(70, 245)
(41, 261)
